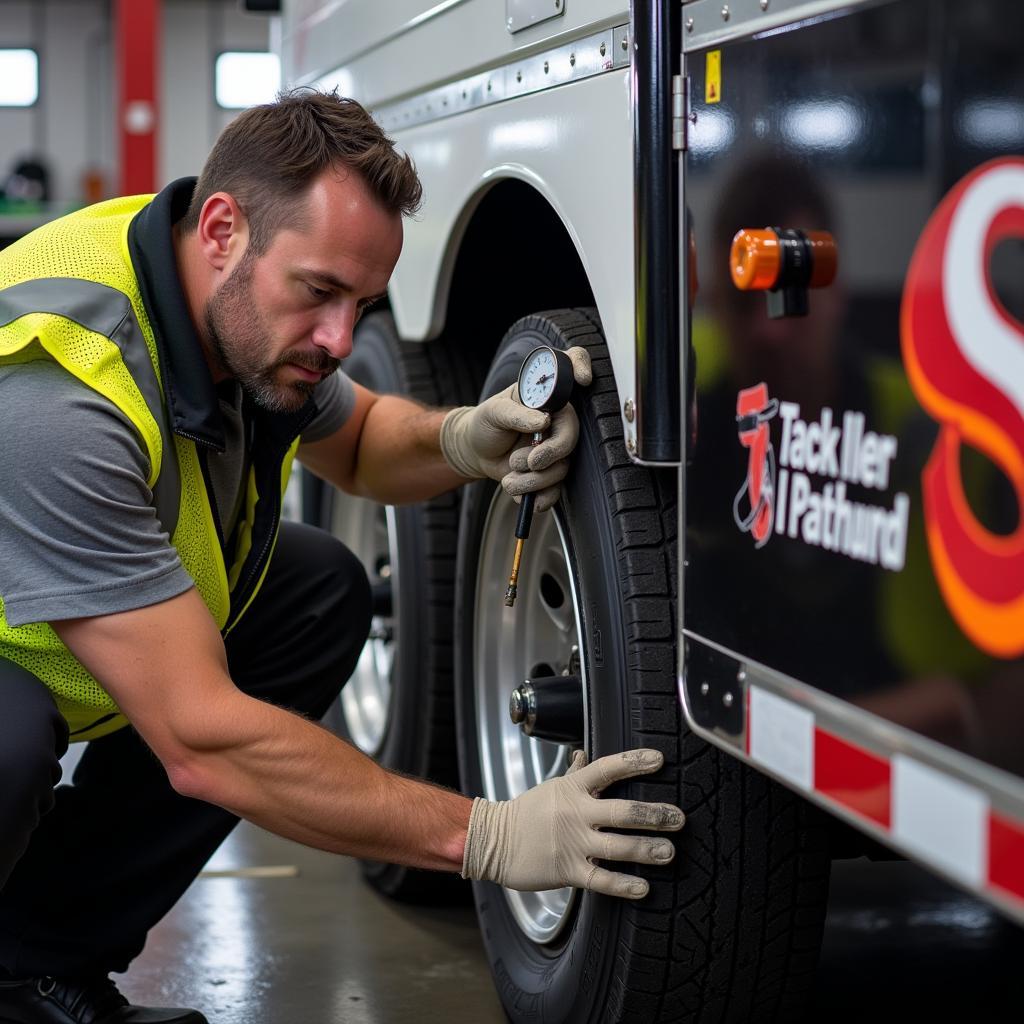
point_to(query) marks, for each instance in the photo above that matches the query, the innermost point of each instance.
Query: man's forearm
(296, 779)
(166, 668)
(400, 460)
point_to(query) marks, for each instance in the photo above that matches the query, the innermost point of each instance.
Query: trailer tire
(730, 931)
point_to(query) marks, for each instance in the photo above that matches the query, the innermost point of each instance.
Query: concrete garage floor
(320, 947)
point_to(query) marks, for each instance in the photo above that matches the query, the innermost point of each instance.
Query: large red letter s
(964, 356)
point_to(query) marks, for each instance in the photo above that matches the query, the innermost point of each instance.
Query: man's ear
(223, 231)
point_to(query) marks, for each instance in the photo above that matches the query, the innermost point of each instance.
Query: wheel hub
(549, 708)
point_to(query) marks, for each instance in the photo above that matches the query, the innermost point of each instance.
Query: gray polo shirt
(79, 535)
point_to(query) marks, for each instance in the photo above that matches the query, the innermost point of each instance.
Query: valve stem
(522, 532)
(513, 580)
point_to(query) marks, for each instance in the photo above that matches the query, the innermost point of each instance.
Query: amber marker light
(755, 259)
(783, 263)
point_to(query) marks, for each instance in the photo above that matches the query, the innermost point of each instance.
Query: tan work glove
(548, 837)
(481, 440)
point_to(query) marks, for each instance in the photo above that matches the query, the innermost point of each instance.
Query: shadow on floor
(901, 945)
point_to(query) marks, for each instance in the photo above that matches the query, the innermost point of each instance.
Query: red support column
(137, 34)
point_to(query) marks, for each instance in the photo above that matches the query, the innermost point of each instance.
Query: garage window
(244, 79)
(19, 78)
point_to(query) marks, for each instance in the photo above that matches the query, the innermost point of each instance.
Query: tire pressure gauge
(545, 380)
(545, 383)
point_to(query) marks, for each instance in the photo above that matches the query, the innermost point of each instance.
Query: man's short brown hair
(269, 156)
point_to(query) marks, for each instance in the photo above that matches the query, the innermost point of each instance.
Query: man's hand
(485, 440)
(548, 837)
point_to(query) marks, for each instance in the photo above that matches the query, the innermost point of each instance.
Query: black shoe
(79, 1001)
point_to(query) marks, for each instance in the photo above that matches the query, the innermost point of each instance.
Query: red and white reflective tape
(932, 815)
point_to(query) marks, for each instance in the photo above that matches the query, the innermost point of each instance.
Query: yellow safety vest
(69, 292)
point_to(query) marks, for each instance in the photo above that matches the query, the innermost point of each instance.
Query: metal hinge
(680, 111)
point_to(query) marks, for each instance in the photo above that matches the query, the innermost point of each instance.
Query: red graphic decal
(754, 410)
(964, 356)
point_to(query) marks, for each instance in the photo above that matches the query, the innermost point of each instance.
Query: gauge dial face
(538, 378)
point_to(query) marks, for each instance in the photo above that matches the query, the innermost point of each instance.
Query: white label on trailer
(782, 736)
(940, 818)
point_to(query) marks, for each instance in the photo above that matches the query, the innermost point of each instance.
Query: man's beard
(241, 346)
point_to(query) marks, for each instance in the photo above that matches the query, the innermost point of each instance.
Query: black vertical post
(656, 31)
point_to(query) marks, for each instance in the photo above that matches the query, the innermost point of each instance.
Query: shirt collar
(188, 385)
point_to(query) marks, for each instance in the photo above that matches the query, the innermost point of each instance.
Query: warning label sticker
(713, 77)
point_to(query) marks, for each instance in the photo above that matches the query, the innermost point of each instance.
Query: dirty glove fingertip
(546, 499)
(581, 369)
(519, 460)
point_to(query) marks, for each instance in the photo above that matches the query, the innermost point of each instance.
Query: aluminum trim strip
(704, 23)
(590, 55)
(988, 864)
(868, 730)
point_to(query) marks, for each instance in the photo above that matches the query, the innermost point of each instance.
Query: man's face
(281, 321)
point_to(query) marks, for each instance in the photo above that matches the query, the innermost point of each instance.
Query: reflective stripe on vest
(107, 312)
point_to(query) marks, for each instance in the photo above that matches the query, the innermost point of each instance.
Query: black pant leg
(307, 626)
(121, 845)
(33, 738)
